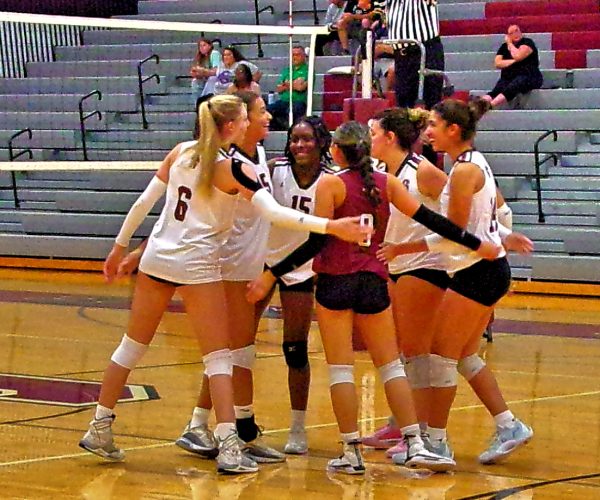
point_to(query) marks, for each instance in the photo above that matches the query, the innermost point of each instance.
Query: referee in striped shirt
(417, 20)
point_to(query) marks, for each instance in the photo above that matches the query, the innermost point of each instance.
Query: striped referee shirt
(412, 19)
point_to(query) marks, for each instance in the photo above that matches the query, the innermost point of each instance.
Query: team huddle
(381, 239)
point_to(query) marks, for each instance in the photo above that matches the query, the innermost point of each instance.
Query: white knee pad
(341, 374)
(244, 356)
(218, 363)
(442, 371)
(470, 366)
(129, 353)
(393, 369)
(418, 371)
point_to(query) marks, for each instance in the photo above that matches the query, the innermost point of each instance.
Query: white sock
(199, 417)
(224, 429)
(411, 430)
(392, 421)
(103, 412)
(412, 434)
(423, 427)
(298, 420)
(436, 434)
(243, 411)
(505, 419)
(350, 436)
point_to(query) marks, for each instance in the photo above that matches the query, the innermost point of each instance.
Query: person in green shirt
(280, 108)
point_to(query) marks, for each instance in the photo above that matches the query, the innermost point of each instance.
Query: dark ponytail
(464, 115)
(406, 124)
(355, 142)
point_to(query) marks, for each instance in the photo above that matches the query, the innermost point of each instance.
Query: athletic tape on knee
(341, 374)
(296, 354)
(391, 370)
(129, 353)
(470, 366)
(442, 371)
(244, 356)
(418, 371)
(218, 363)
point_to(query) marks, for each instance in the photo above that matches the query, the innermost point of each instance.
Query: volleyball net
(89, 107)
(75, 88)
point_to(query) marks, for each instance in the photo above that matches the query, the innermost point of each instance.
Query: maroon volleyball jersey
(342, 257)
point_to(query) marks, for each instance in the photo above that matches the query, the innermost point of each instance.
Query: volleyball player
(294, 178)
(351, 287)
(182, 254)
(419, 280)
(469, 200)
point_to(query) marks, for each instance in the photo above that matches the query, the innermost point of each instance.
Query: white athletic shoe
(297, 443)
(99, 440)
(198, 440)
(230, 459)
(350, 461)
(505, 441)
(419, 457)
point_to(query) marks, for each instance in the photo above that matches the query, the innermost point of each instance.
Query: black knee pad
(296, 354)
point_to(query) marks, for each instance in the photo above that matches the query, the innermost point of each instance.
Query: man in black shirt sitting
(518, 60)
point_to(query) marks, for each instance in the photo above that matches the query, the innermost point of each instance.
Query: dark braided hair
(355, 142)
(322, 136)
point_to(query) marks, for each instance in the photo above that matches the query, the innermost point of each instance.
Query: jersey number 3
(184, 194)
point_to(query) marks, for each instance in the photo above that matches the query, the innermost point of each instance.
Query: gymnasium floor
(546, 355)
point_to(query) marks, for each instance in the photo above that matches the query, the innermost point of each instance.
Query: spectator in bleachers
(242, 80)
(519, 65)
(339, 19)
(204, 66)
(231, 58)
(299, 84)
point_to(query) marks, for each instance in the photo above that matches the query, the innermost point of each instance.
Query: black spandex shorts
(363, 292)
(434, 276)
(307, 286)
(164, 281)
(485, 282)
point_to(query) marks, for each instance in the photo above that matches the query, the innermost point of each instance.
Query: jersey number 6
(184, 194)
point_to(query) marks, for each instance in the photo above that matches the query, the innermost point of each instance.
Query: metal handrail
(423, 71)
(141, 82)
(257, 13)
(315, 12)
(83, 118)
(12, 157)
(538, 164)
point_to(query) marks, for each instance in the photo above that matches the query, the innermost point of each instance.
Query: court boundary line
(276, 431)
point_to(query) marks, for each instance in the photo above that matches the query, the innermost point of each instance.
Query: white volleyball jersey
(282, 241)
(402, 229)
(482, 219)
(244, 253)
(186, 240)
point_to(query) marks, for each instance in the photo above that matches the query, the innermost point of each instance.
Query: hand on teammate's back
(349, 229)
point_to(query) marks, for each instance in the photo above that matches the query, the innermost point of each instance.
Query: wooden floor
(546, 355)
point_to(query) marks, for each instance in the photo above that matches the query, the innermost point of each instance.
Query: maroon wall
(85, 8)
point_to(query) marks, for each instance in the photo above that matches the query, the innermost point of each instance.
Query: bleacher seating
(74, 214)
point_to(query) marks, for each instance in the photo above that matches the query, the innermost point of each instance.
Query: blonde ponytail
(212, 115)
